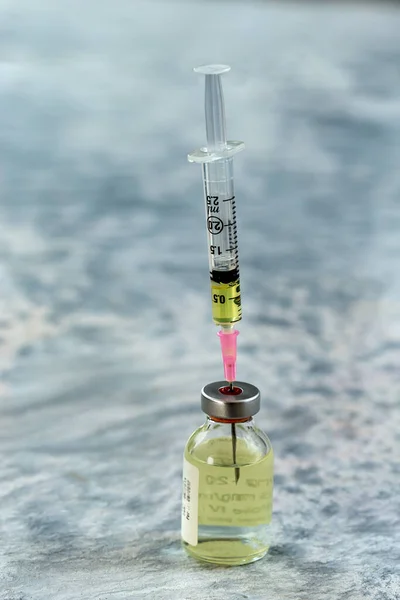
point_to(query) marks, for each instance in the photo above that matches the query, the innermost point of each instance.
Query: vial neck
(248, 420)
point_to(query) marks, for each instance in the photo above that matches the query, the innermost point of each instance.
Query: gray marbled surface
(105, 331)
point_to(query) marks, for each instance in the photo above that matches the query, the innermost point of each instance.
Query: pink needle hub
(228, 341)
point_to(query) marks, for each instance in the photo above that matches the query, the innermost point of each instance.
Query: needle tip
(237, 474)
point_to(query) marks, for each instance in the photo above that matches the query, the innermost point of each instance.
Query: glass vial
(227, 479)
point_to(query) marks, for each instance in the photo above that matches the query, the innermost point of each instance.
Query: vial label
(243, 503)
(232, 498)
(190, 503)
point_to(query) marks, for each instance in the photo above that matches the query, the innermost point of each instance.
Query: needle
(234, 441)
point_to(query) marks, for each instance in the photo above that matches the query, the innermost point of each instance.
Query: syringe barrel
(222, 241)
(221, 215)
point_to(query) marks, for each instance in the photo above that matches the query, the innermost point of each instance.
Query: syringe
(217, 162)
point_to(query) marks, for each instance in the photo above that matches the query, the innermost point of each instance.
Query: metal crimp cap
(238, 405)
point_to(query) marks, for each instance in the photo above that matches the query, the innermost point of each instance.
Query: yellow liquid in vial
(233, 518)
(226, 302)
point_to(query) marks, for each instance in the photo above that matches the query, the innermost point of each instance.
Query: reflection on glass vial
(227, 492)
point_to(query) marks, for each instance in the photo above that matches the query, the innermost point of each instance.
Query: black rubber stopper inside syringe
(224, 276)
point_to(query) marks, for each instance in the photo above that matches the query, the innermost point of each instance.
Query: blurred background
(106, 334)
